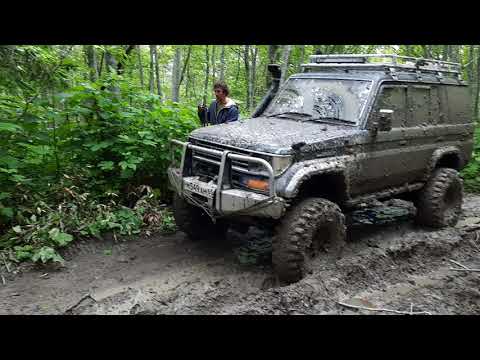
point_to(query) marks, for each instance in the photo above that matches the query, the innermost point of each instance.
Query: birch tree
(152, 66)
(285, 60)
(176, 73)
(222, 63)
(91, 61)
(140, 66)
(157, 72)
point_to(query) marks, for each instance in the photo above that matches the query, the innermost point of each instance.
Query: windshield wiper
(332, 119)
(290, 113)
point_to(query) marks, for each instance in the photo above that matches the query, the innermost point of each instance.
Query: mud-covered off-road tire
(195, 222)
(308, 227)
(439, 202)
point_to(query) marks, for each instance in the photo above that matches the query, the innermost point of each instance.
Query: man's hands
(202, 114)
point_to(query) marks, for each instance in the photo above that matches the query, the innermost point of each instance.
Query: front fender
(290, 182)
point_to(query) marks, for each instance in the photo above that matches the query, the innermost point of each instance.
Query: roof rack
(392, 62)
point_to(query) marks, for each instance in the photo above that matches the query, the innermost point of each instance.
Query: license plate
(199, 187)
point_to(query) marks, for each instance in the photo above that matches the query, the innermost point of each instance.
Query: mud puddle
(397, 267)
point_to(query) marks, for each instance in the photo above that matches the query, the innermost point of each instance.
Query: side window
(420, 105)
(458, 104)
(393, 97)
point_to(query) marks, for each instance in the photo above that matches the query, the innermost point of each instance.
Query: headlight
(279, 164)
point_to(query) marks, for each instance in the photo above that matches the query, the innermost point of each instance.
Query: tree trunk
(152, 66)
(100, 64)
(246, 60)
(253, 78)
(302, 58)
(445, 52)
(176, 73)
(157, 73)
(111, 65)
(207, 72)
(477, 90)
(222, 63)
(213, 63)
(91, 62)
(272, 59)
(140, 66)
(455, 53)
(110, 61)
(185, 66)
(470, 61)
(285, 60)
(426, 51)
(237, 76)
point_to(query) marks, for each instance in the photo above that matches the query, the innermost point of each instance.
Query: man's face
(219, 94)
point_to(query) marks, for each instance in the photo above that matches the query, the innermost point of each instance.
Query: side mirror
(385, 119)
(384, 122)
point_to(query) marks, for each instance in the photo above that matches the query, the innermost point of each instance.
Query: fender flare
(439, 153)
(290, 183)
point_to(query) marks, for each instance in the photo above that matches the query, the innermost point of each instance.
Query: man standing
(222, 110)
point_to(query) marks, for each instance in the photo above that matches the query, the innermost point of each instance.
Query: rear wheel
(314, 227)
(439, 202)
(195, 222)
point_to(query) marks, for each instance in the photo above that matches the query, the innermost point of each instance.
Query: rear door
(399, 156)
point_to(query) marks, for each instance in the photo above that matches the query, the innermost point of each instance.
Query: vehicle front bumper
(219, 198)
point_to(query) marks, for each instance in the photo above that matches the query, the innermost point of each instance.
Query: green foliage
(46, 254)
(168, 222)
(72, 151)
(471, 173)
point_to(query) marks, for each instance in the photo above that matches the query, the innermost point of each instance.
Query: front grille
(207, 166)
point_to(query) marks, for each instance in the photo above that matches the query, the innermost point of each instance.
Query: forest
(85, 129)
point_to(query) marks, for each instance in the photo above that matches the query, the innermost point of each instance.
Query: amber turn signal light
(257, 184)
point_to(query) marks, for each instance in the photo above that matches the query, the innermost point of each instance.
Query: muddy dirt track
(397, 267)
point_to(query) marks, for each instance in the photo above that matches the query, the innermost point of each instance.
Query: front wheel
(195, 222)
(439, 202)
(314, 227)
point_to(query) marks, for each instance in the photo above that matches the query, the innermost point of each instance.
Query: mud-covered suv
(347, 130)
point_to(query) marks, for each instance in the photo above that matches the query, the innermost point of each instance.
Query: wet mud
(395, 266)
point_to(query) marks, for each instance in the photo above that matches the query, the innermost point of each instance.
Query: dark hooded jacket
(228, 114)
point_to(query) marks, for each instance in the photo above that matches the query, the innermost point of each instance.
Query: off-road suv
(348, 129)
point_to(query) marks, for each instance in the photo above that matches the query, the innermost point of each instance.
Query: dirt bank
(396, 267)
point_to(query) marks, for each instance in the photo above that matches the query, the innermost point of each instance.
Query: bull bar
(229, 200)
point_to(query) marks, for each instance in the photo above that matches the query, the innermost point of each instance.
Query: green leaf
(17, 229)
(62, 239)
(100, 145)
(46, 254)
(7, 212)
(106, 165)
(9, 127)
(4, 195)
(23, 252)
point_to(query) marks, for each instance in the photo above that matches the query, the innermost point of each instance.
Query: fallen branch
(463, 267)
(477, 235)
(468, 269)
(457, 263)
(385, 310)
(5, 263)
(78, 302)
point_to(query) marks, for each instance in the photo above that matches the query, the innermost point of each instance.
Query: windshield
(321, 100)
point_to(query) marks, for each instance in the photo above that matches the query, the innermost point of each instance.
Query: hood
(274, 135)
